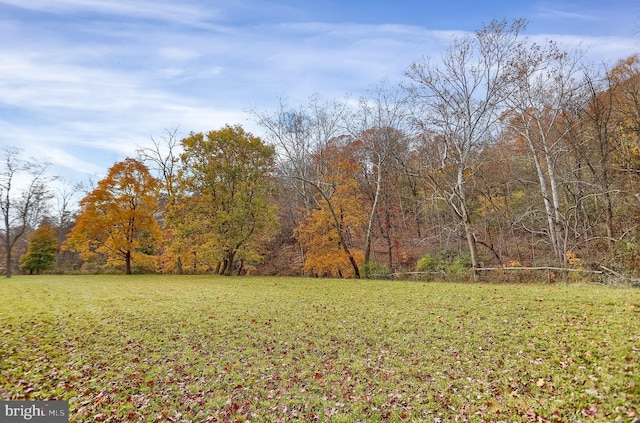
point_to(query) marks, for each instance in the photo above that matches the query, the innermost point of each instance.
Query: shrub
(446, 261)
(462, 261)
(426, 263)
(374, 268)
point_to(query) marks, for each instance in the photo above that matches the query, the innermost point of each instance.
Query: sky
(84, 83)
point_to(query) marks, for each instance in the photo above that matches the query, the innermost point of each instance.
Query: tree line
(502, 152)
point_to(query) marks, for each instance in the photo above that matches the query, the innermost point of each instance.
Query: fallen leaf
(590, 412)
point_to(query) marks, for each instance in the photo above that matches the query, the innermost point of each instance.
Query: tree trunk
(367, 257)
(338, 226)
(466, 220)
(545, 198)
(387, 214)
(7, 243)
(471, 242)
(376, 196)
(228, 263)
(561, 246)
(8, 260)
(127, 262)
(179, 266)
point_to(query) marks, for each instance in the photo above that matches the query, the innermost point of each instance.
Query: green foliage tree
(223, 210)
(20, 207)
(42, 250)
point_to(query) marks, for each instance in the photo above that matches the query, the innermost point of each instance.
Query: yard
(198, 348)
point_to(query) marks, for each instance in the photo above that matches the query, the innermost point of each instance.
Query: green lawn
(196, 348)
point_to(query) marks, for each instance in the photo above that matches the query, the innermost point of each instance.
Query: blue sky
(85, 82)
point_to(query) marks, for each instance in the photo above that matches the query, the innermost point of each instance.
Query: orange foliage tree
(625, 78)
(328, 232)
(116, 220)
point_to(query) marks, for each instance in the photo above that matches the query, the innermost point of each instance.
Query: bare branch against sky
(87, 82)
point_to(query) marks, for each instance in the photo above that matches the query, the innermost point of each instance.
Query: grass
(166, 348)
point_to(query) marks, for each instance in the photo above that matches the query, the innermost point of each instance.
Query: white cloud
(548, 12)
(184, 12)
(596, 49)
(178, 54)
(63, 159)
(91, 92)
(88, 95)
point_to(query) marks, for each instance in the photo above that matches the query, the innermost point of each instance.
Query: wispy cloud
(88, 92)
(594, 49)
(184, 12)
(549, 12)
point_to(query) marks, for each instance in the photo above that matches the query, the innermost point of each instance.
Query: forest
(502, 153)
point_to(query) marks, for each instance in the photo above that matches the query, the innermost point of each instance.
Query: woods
(502, 152)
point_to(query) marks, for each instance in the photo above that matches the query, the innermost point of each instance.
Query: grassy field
(162, 348)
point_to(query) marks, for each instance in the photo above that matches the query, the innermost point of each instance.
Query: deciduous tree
(458, 104)
(42, 250)
(224, 208)
(298, 134)
(540, 95)
(163, 158)
(596, 142)
(303, 138)
(328, 232)
(22, 204)
(117, 218)
(381, 125)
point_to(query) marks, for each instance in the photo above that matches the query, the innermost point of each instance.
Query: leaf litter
(198, 349)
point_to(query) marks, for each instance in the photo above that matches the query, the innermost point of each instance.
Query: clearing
(202, 348)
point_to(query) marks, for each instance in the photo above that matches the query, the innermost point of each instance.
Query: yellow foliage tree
(42, 250)
(223, 214)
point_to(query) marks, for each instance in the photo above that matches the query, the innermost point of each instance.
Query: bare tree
(592, 144)
(541, 100)
(23, 198)
(299, 136)
(163, 159)
(292, 132)
(63, 215)
(458, 103)
(381, 124)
